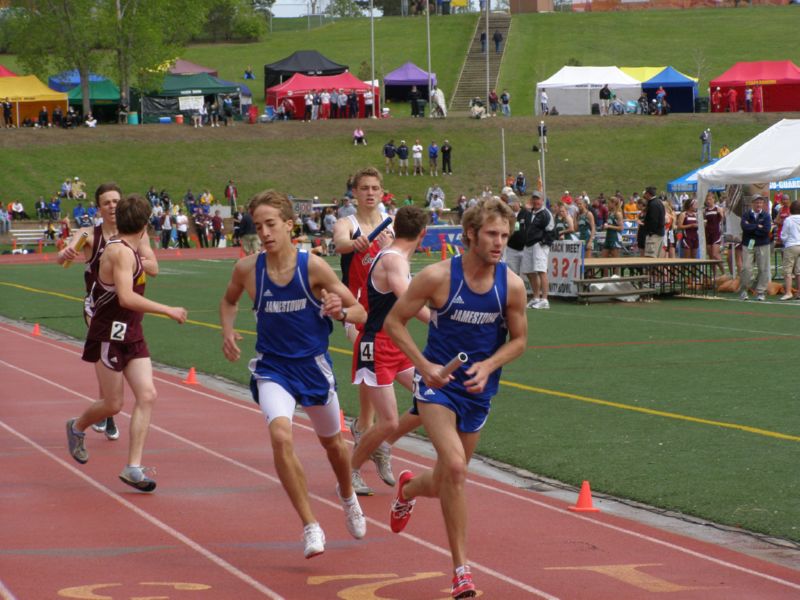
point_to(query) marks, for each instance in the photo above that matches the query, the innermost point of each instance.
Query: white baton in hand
(460, 359)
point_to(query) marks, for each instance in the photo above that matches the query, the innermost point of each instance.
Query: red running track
(219, 525)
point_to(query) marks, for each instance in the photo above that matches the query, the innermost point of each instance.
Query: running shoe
(543, 305)
(401, 509)
(383, 462)
(761, 297)
(136, 477)
(463, 586)
(75, 443)
(743, 296)
(100, 426)
(359, 487)
(112, 433)
(313, 540)
(534, 303)
(355, 432)
(787, 297)
(354, 519)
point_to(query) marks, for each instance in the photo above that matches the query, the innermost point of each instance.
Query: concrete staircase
(472, 81)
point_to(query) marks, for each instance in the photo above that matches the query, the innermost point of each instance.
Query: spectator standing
(497, 38)
(494, 102)
(516, 241)
(42, 210)
(389, 154)
(237, 224)
(705, 145)
(585, 224)
(402, 158)
(166, 229)
(544, 102)
(505, 103)
(369, 101)
(564, 225)
(713, 217)
(539, 234)
(217, 227)
(756, 227)
(250, 242)
(447, 151)
(613, 226)
(231, 195)
(8, 121)
(413, 98)
(44, 118)
(182, 226)
(520, 184)
(687, 228)
(416, 154)
(483, 42)
(605, 99)
(733, 100)
(748, 99)
(433, 159)
(653, 223)
(201, 227)
(5, 220)
(716, 100)
(308, 103)
(347, 208)
(790, 237)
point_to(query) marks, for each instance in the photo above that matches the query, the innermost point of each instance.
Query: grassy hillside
(586, 153)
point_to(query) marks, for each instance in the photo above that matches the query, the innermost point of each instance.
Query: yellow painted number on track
(87, 592)
(632, 575)
(369, 591)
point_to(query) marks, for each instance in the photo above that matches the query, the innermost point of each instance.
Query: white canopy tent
(773, 155)
(573, 90)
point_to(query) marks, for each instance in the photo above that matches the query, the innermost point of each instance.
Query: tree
(143, 34)
(345, 8)
(234, 19)
(59, 34)
(389, 8)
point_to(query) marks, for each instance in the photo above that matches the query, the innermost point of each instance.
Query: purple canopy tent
(397, 84)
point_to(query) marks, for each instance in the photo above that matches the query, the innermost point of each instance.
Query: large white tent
(773, 155)
(573, 90)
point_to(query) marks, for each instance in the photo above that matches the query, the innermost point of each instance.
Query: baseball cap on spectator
(536, 194)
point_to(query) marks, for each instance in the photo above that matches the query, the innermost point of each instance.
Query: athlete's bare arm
(342, 230)
(68, 253)
(430, 286)
(119, 262)
(334, 294)
(149, 260)
(242, 280)
(517, 322)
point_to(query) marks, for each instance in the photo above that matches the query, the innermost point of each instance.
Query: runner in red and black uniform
(377, 361)
(350, 240)
(106, 198)
(115, 343)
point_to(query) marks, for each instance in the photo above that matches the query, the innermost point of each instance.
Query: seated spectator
(50, 231)
(66, 189)
(248, 73)
(55, 208)
(520, 184)
(64, 232)
(42, 210)
(477, 110)
(90, 121)
(359, 137)
(18, 211)
(436, 207)
(286, 108)
(78, 190)
(71, 118)
(77, 213)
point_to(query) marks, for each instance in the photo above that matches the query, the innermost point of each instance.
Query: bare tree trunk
(87, 104)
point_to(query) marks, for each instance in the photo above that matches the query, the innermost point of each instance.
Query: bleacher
(27, 234)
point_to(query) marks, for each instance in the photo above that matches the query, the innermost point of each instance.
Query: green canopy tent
(103, 96)
(180, 95)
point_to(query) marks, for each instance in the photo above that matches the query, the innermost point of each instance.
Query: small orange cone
(36, 332)
(342, 423)
(178, 253)
(191, 378)
(584, 500)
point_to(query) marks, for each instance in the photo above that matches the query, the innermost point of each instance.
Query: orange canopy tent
(29, 95)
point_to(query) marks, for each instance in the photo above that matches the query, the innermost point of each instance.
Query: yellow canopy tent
(29, 95)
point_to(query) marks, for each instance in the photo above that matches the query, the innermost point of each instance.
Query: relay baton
(377, 231)
(78, 247)
(460, 359)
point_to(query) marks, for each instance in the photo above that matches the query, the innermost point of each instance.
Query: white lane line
(184, 539)
(335, 505)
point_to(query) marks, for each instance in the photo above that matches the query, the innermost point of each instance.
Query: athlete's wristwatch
(344, 315)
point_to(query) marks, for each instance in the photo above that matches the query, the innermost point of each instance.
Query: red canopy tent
(777, 81)
(6, 73)
(299, 85)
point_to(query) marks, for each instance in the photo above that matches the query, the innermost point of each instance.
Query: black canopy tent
(307, 62)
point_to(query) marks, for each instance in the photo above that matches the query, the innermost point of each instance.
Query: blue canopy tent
(688, 182)
(681, 89)
(66, 80)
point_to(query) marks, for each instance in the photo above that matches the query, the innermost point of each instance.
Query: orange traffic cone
(191, 378)
(36, 332)
(342, 423)
(584, 500)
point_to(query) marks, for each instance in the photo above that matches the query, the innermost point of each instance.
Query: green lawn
(604, 392)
